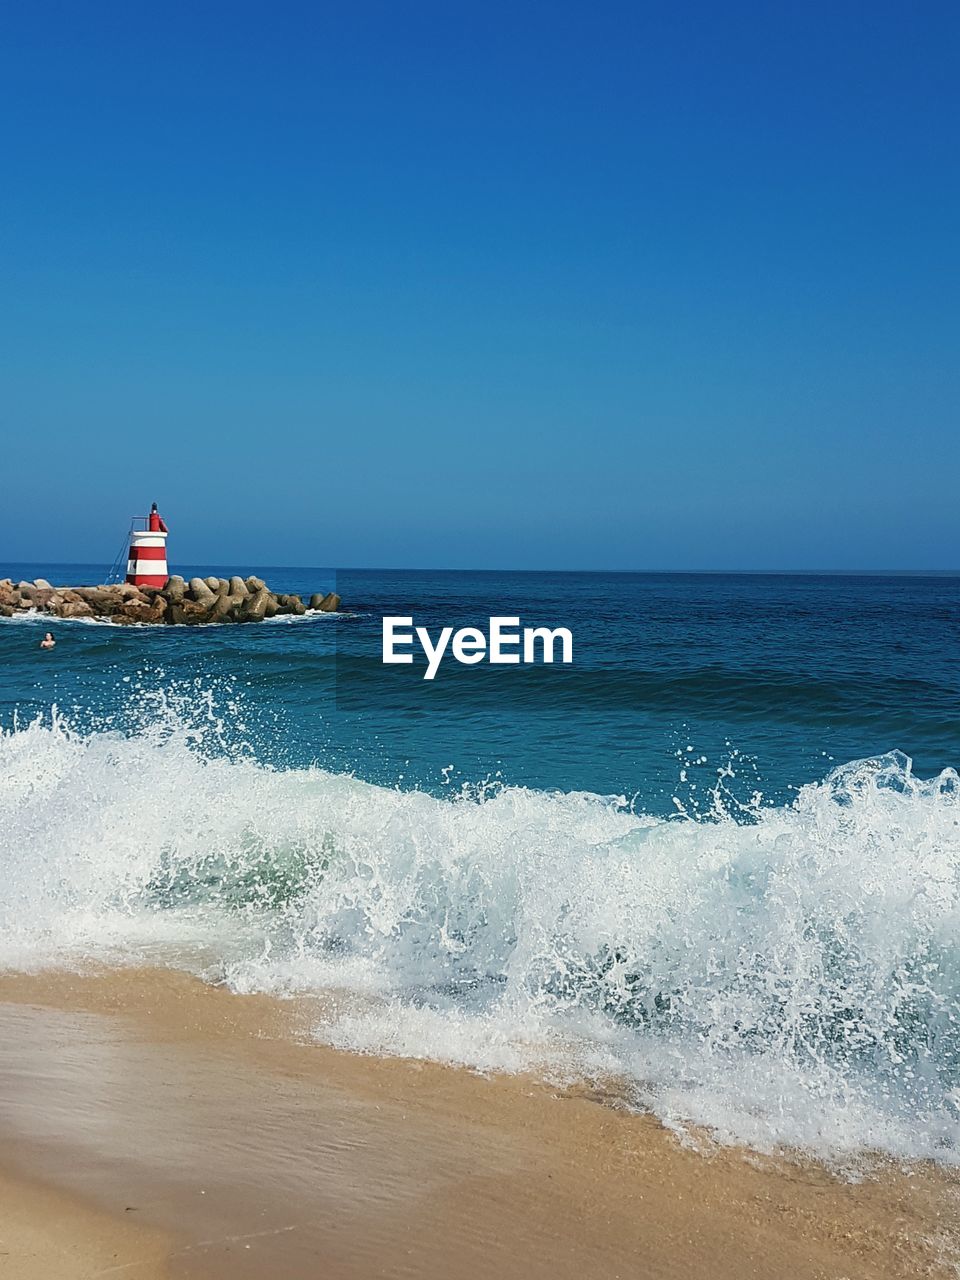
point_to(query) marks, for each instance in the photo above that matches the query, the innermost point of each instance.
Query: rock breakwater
(179, 603)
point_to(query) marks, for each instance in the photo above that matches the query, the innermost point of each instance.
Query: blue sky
(503, 285)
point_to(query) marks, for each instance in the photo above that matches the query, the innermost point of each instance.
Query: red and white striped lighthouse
(147, 563)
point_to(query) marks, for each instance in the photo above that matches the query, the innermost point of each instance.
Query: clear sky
(646, 285)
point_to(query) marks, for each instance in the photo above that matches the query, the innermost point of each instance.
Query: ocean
(714, 863)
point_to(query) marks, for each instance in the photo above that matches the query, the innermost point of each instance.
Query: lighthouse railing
(118, 569)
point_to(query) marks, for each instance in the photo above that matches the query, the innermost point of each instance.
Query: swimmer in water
(48, 641)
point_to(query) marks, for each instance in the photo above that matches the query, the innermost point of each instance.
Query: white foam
(791, 979)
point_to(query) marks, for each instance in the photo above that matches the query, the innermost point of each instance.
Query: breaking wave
(783, 976)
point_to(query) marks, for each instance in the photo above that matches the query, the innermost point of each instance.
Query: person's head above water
(48, 641)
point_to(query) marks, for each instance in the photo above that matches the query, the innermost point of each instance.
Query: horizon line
(850, 573)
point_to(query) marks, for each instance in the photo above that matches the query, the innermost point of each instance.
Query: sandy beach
(155, 1126)
(479, 642)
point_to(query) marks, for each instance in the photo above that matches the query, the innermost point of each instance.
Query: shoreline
(247, 1150)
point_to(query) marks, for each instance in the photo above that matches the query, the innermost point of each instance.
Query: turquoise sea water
(718, 857)
(785, 674)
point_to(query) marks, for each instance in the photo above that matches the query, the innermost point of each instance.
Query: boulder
(255, 584)
(133, 611)
(175, 589)
(226, 608)
(104, 600)
(6, 610)
(201, 592)
(75, 609)
(126, 615)
(194, 611)
(213, 584)
(255, 606)
(27, 590)
(330, 603)
(237, 587)
(43, 584)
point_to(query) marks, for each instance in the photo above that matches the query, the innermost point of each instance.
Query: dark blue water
(675, 677)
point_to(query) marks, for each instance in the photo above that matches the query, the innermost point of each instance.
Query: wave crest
(785, 975)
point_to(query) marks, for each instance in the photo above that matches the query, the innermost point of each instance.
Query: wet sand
(48, 1236)
(151, 1125)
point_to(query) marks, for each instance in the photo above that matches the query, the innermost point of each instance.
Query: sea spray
(787, 975)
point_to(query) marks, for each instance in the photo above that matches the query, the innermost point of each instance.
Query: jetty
(176, 603)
